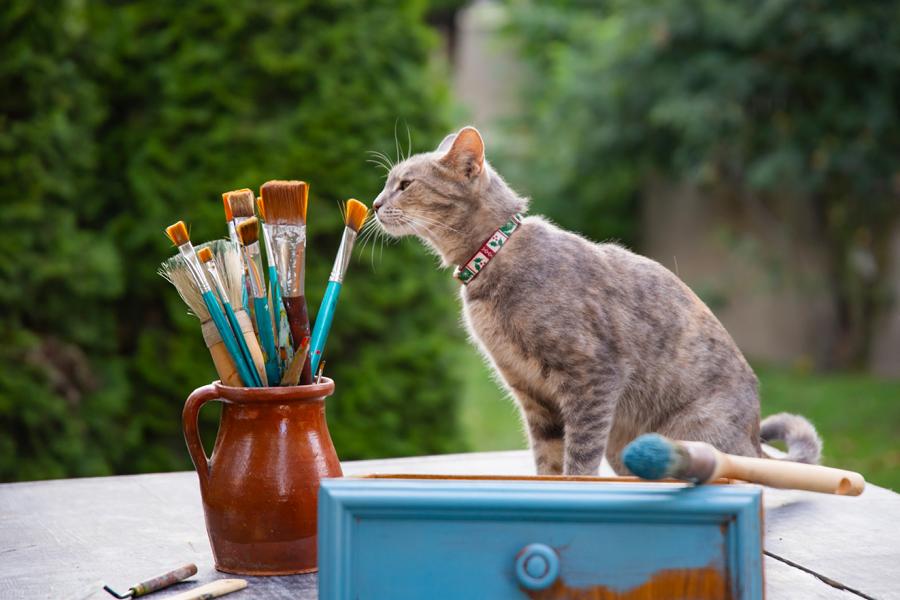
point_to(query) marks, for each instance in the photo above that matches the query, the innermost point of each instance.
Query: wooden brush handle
(212, 590)
(222, 360)
(249, 334)
(790, 475)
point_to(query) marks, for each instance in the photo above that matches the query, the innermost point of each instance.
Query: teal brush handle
(264, 328)
(276, 295)
(215, 312)
(245, 350)
(323, 323)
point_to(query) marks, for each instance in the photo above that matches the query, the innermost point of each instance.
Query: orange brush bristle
(228, 214)
(261, 209)
(178, 233)
(355, 214)
(248, 231)
(285, 202)
(205, 255)
(240, 202)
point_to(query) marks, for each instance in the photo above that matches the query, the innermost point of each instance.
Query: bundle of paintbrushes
(254, 318)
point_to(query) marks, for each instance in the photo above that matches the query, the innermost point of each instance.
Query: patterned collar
(472, 267)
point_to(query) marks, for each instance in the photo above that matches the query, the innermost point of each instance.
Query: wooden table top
(64, 539)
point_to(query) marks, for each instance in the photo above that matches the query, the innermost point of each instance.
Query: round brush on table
(653, 456)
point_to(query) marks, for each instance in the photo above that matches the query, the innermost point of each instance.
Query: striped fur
(597, 344)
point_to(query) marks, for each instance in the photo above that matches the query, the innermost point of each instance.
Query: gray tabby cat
(597, 344)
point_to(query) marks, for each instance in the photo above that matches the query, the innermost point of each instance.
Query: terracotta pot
(260, 487)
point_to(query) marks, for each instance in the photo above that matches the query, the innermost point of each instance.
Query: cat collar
(472, 267)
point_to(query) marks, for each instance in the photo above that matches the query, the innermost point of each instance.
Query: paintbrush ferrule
(232, 234)
(193, 265)
(253, 266)
(342, 259)
(694, 461)
(267, 240)
(289, 245)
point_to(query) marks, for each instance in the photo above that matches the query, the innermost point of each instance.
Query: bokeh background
(751, 147)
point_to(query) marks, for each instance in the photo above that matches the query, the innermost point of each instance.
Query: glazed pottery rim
(314, 391)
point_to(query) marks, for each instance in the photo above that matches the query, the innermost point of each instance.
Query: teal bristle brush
(214, 264)
(248, 232)
(354, 216)
(178, 233)
(652, 456)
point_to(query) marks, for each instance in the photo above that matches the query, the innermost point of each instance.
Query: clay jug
(260, 487)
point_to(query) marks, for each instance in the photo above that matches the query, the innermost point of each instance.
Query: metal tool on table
(157, 583)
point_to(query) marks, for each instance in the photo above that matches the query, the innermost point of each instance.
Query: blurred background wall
(751, 147)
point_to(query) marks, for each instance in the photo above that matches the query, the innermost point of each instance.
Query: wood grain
(63, 539)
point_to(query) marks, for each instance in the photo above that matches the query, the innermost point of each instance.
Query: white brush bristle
(175, 271)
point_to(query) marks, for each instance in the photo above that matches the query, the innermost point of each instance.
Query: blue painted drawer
(432, 538)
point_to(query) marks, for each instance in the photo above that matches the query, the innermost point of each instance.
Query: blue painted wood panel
(398, 539)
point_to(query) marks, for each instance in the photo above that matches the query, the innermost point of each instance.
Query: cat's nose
(379, 202)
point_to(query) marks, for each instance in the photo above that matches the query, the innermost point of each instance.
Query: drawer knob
(537, 566)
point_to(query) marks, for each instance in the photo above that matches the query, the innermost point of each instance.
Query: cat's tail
(803, 442)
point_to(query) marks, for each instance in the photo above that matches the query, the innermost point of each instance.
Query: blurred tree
(787, 108)
(133, 115)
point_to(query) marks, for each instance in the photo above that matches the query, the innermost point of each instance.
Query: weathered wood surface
(64, 539)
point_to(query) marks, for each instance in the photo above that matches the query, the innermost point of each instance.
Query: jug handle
(192, 407)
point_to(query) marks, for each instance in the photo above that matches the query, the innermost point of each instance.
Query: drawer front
(439, 539)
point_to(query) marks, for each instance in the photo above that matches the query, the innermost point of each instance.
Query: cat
(597, 344)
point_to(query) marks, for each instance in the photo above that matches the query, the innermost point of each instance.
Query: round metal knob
(537, 566)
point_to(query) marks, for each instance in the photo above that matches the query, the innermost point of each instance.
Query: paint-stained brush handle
(215, 589)
(298, 321)
(157, 583)
(164, 581)
(267, 337)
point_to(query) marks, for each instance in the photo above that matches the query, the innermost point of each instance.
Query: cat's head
(448, 197)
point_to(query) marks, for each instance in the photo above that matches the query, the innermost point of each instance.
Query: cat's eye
(405, 184)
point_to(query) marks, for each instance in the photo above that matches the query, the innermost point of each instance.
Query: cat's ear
(445, 143)
(466, 153)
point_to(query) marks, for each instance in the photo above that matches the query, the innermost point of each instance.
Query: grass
(857, 415)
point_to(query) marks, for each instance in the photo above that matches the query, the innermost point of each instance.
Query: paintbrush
(239, 208)
(179, 272)
(355, 215)
(286, 203)
(274, 286)
(298, 362)
(155, 584)
(215, 269)
(652, 456)
(248, 232)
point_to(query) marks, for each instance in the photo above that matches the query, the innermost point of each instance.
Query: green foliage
(130, 116)
(789, 107)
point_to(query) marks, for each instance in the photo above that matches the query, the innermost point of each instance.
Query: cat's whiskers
(432, 221)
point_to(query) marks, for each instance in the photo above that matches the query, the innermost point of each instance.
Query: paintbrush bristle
(650, 456)
(285, 202)
(178, 233)
(248, 231)
(204, 254)
(355, 214)
(261, 209)
(176, 272)
(228, 214)
(241, 203)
